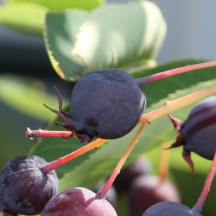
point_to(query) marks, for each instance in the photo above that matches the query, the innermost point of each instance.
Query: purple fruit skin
(24, 186)
(168, 208)
(199, 130)
(140, 166)
(106, 103)
(78, 202)
(147, 190)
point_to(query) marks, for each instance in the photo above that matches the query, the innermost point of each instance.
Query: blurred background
(190, 33)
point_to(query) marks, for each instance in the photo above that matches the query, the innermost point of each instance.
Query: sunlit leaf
(28, 15)
(23, 17)
(114, 35)
(57, 5)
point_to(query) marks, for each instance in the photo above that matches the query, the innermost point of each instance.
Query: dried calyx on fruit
(78, 201)
(168, 208)
(25, 187)
(197, 132)
(106, 104)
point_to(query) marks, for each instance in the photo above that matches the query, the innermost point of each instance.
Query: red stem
(35, 134)
(172, 72)
(60, 161)
(200, 202)
(103, 192)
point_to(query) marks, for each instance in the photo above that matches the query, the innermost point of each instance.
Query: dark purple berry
(78, 202)
(147, 190)
(140, 166)
(105, 103)
(111, 195)
(169, 209)
(197, 133)
(25, 187)
(199, 129)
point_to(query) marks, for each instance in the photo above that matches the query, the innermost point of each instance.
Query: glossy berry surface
(145, 191)
(140, 166)
(169, 209)
(199, 129)
(105, 104)
(78, 202)
(25, 187)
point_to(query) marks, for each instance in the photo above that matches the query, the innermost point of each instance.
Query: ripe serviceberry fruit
(25, 187)
(168, 208)
(105, 103)
(78, 202)
(197, 132)
(140, 166)
(175, 209)
(147, 190)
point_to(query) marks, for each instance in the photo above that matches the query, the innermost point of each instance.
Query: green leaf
(115, 35)
(28, 15)
(27, 96)
(60, 34)
(23, 17)
(100, 163)
(56, 5)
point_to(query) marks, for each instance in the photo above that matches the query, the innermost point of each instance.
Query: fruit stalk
(35, 134)
(164, 162)
(179, 103)
(60, 161)
(200, 202)
(173, 72)
(102, 193)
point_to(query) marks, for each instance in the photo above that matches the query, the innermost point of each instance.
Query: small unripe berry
(25, 187)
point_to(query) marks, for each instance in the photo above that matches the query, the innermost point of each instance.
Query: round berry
(25, 187)
(78, 202)
(147, 190)
(105, 103)
(168, 208)
(199, 130)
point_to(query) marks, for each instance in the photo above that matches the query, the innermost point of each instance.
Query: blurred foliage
(78, 42)
(28, 15)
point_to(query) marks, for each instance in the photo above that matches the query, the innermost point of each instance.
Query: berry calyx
(78, 202)
(197, 132)
(25, 187)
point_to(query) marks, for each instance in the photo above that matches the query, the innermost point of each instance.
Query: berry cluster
(107, 104)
